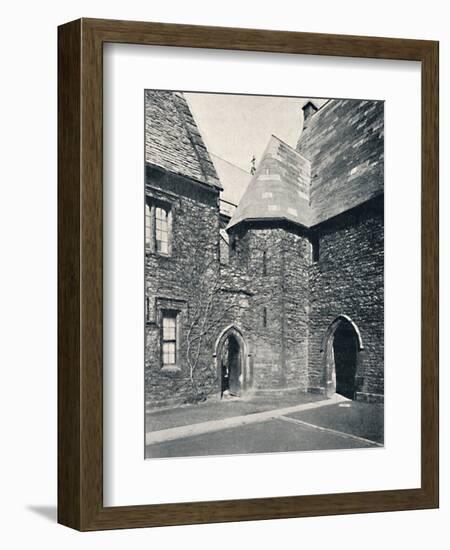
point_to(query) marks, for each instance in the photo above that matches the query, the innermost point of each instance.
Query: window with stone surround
(264, 263)
(168, 316)
(169, 340)
(158, 227)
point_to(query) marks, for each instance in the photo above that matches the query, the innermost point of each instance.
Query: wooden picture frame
(80, 272)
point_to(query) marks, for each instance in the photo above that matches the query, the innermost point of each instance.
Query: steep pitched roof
(338, 165)
(172, 138)
(344, 141)
(279, 189)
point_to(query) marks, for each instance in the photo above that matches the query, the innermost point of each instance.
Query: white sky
(236, 127)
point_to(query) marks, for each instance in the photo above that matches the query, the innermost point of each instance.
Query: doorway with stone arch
(231, 355)
(342, 346)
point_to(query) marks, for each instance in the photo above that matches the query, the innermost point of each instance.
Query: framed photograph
(248, 274)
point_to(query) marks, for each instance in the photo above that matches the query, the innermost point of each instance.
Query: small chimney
(308, 110)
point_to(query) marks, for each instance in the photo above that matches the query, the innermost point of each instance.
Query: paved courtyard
(246, 426)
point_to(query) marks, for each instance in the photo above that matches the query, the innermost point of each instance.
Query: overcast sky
(235, 127)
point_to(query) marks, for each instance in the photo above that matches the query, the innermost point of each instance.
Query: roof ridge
(294, 150)
(229, 162)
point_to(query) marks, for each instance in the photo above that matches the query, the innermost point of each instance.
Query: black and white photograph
(264, 274)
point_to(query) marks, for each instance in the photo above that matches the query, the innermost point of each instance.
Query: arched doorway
(342, 346)
(231, 362)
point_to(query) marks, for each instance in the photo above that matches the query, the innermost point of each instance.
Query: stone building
(271, 282)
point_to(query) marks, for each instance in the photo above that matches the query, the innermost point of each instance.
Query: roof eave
(265, 219)
(208, 184)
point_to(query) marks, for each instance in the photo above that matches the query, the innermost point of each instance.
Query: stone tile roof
(172, 139)
(279, 189)
(339, 164)
(344, 141)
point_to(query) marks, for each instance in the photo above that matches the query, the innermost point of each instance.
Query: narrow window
(264, 317)
(162, 230)
(233, 239)
(148, 227)
(315, 249)
(158, 228)
(169, 338)
(147, 309)
(264, 263)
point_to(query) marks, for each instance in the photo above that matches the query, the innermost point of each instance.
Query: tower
(269, 236)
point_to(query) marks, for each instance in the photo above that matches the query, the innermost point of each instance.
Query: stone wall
(348, 280)
(264, 314)
(175, 282)
(276, 261)
(185, 281)
(283, 310)
(297, 261)
(279, 298)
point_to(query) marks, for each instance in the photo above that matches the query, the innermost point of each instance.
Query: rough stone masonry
(292, 298)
